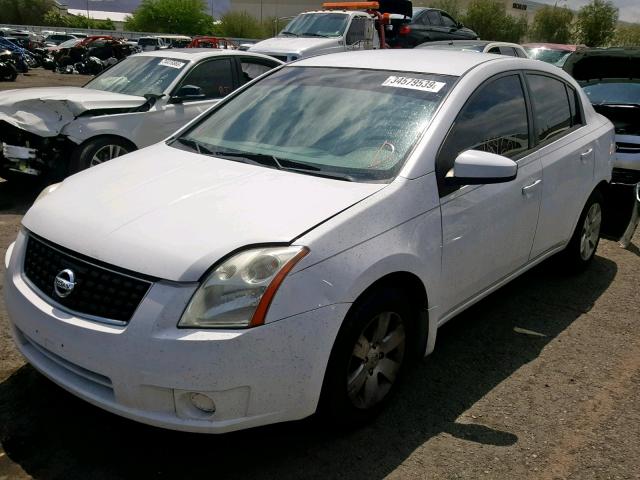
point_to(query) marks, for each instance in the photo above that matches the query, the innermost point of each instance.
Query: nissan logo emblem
(64, 283)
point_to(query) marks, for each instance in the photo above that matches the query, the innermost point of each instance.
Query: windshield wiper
(289, 33)
(275, 162)
(195, 145)
(312, 34)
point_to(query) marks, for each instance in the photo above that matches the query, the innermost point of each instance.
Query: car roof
(196, 54)
(440, 62)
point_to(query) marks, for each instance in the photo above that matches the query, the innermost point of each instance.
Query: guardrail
(116, 33)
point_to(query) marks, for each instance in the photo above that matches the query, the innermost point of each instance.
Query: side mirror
(474, 167)
(187, 92)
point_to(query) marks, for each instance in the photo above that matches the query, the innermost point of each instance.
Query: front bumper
(148, 370)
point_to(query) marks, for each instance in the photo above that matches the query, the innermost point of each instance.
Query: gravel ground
(541, 380)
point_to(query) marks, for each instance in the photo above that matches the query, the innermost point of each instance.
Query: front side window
(447, 21)
(139, 75)
(317, 25)
(493, 120)
(213, 77)
(550, 106)
(509, 51)
(353, 124)
(356, 32)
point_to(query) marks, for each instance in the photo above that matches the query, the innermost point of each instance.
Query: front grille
(623, 147)
(100, 290)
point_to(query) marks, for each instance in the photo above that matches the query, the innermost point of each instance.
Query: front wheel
(97, 151)
(586, 236)
(11, 72)
(368, 357)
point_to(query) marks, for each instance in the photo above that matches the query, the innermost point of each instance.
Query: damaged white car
(57, 131)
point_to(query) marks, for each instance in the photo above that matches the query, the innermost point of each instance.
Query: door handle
(527, 190)
(584, 156)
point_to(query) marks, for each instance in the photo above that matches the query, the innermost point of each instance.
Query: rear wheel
(97, 151)
(368, 357)
(584, 242)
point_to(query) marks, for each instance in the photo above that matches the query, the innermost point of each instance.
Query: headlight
(239, 291)
(47, 190)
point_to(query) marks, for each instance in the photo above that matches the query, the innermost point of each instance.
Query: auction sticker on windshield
(166, 62)
(414, 84)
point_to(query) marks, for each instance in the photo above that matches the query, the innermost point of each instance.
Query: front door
(488, 230)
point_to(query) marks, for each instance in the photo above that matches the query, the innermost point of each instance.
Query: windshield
(616, 92)
(70, 43)
(354, 124)
(317, 25)
(555, 57)
(139, 75)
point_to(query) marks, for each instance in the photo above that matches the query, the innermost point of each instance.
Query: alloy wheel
(376, 360)
(590, 231)
(108, 152)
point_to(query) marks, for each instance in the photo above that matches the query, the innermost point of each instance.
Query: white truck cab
(320, 32)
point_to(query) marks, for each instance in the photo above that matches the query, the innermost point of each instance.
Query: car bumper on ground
(211, 381)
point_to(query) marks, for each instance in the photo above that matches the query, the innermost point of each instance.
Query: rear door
(567, 155)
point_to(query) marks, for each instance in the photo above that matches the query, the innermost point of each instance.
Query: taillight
(404, 30)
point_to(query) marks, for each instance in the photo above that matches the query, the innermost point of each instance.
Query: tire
(584, 242)
(363, 372)
(12, 74)
(98, 150)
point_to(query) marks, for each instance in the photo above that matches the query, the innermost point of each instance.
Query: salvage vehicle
(57, 131)
(212, 42)
(152, 43)
(428, 25)
(339, 27)
(553, 53)
(480, 46)
(294, 249)
(611, 79)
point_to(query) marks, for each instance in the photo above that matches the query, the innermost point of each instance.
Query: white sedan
(295, 248)
(56, 131)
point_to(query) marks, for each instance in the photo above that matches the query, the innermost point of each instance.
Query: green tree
(489, 19)
(54, 18)
(627, 36)
(243, 25)
(24, 12)
(552, 24)
(596, 23)
(171, 16)
(452, 7)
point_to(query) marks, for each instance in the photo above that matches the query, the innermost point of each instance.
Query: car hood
(46, 111)
(598, 64)
(292, 44)
(171, 214)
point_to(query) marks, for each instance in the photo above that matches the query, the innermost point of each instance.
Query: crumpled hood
(172, 214)
(45, 111)
(293, 45)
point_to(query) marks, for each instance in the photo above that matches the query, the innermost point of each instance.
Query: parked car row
(293, 235)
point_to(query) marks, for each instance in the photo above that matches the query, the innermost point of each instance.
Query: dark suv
(428, 25)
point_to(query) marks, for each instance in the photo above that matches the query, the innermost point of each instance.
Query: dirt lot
(539, 381)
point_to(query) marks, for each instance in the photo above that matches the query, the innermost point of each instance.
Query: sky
(629, 9)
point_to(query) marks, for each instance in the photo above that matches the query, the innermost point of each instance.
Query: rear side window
(434, 17)
(550, 107)
(493, 120)
(510, 51)
(576, 116)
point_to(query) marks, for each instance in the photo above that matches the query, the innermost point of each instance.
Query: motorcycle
(8, 70)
